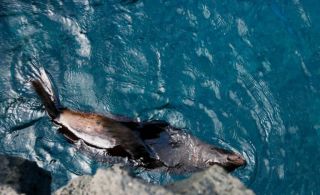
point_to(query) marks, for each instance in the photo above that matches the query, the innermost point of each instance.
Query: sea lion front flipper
(154, 163)
(152, 129)
(129, 142)
(140, 154)
(145, 159)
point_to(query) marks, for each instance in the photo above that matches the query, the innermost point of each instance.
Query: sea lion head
(227, 159)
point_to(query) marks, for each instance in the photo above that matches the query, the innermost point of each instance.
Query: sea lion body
(92, 128)
(150, 144)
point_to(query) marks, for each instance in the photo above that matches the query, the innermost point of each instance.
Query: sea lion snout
(236, 159)
(233, 161)
(227, 159)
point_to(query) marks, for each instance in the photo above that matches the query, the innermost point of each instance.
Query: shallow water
(242, 74)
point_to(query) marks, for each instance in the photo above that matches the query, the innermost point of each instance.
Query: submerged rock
(118, 181)
(22, 176)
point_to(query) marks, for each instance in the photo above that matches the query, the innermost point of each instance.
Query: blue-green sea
(244, 75)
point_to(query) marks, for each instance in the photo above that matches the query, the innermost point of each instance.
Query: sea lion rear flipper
(44, 88)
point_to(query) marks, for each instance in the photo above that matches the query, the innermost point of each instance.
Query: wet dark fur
(150, 144)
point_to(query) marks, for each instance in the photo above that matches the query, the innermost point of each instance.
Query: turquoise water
(241, 74)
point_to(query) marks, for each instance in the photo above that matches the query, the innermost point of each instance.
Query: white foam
(73, 28)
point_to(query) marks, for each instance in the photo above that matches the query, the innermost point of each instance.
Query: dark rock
(22, 176)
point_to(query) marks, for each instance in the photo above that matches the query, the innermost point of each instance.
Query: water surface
(241, 74)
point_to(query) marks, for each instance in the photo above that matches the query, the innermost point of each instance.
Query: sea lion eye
(210, 162)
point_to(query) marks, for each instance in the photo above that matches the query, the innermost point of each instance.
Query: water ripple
(240, 74)
(73, 28)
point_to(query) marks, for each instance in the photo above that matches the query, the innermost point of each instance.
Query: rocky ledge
(21, 176)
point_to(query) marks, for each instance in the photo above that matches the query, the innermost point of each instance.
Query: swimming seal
(148, 144)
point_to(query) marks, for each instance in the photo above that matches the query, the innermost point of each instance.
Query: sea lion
(148, 144)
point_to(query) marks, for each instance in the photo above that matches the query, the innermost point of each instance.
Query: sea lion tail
(44, 88)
